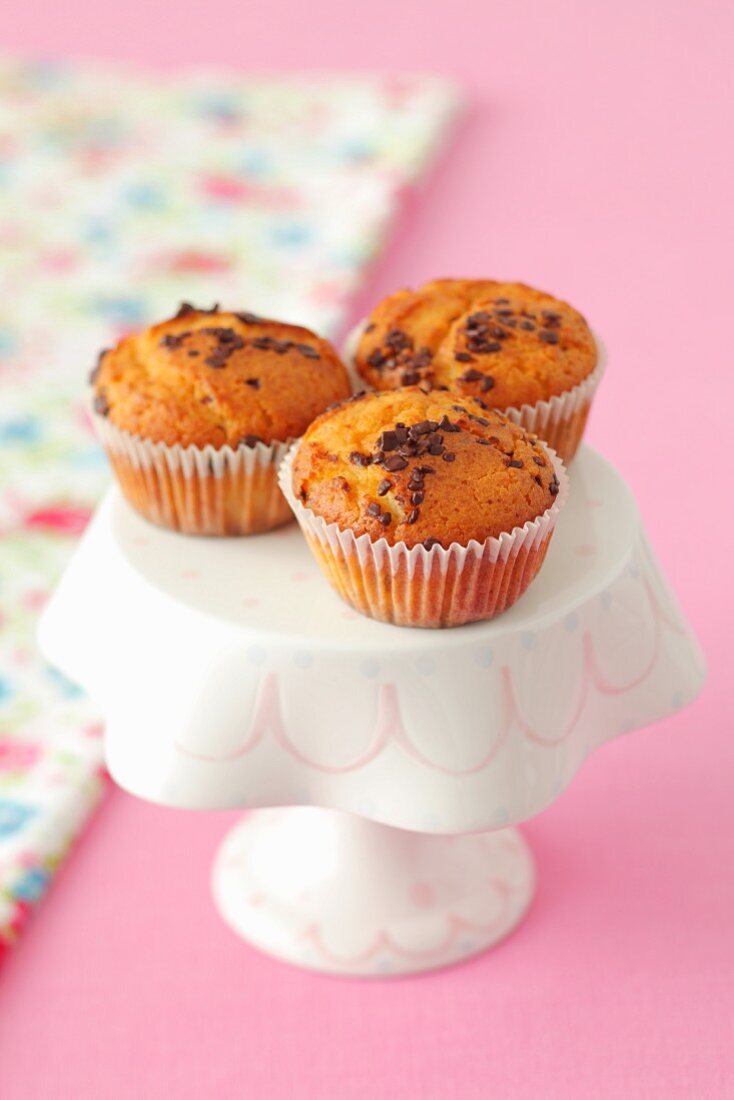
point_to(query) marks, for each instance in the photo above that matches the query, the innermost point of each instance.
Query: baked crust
(508, 343)
(421, 468)
(213, 378)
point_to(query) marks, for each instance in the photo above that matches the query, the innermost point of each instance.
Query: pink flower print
(58, 261)
(17, 756)
(35, 598)
(227, 189)
(20, 916)
(65, 519)
(194, 262)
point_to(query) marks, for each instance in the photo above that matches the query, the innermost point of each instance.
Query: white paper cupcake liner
(198, 490)
(559, 421)
(413, 586)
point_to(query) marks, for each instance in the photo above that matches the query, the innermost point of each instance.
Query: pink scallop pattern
(390, 729)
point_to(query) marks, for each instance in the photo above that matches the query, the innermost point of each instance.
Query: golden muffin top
(421, 468)
(506, 342)
(210, 377)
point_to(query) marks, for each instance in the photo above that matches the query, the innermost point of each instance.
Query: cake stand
(394, 761)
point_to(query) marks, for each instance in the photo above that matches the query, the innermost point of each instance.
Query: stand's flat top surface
(271, 584)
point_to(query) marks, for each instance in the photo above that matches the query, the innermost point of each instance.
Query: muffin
(196, 414)
(424, 509)
(523, 352)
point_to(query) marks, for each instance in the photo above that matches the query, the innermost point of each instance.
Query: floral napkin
(122, 194)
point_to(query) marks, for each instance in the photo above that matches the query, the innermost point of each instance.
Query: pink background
(596, 162)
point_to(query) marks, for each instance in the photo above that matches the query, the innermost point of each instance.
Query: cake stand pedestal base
(338, 893)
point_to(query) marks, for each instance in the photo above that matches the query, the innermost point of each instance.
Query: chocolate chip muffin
(196, 413)
(522, 351)
(424, 509)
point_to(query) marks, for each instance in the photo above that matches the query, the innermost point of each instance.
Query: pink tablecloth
(596, 163)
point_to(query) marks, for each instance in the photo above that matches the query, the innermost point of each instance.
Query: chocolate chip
(193, 354)
(423, 427)
(216, 361)
(463, 357)
(429, 543)
(538, 461)
(417, 498)
(448, 456)
(264, 343)
(554, 488)
(359, 459)
(184, 309)
(516, 463)
(384, 486)
(487, 383)
(94, 372)
(254, 382)
(551, 318)
(374, 509)
(398, 340)
(388, 441)
(307, 351)
(447, 426)
(548, 337)
(248, 318)
(249, 441)
(471, 376)
(172, 340)
(223, 334)
(385, 519)
(528, 326)
(101, 405)
(410, 377)
(395, 463)
(413, 516)
(376, 359)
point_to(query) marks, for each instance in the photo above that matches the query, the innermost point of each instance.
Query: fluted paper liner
(428, 588)
(560, 421)
(198, 490)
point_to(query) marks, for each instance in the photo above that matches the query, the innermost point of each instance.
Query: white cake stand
(232, 676)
